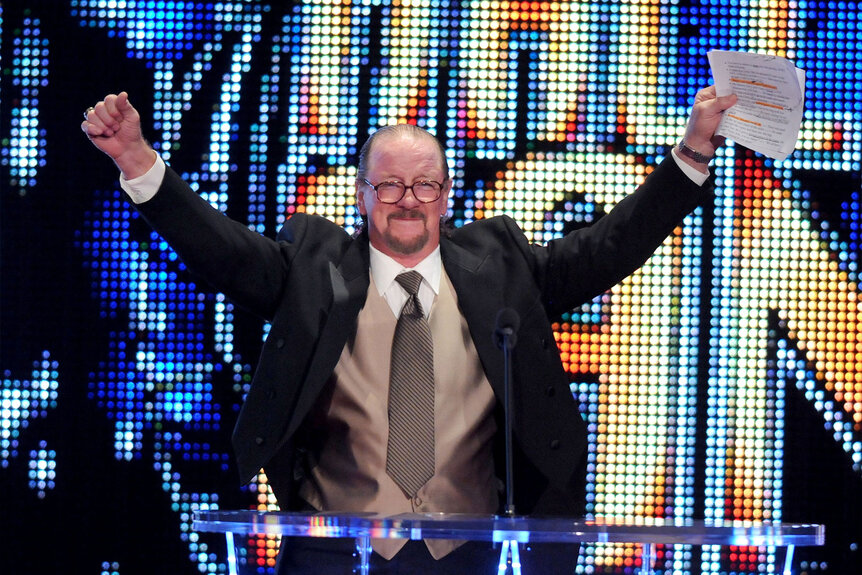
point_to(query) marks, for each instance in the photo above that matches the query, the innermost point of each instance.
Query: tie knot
(410, 281)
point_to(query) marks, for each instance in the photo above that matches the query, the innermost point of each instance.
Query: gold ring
(87, 112)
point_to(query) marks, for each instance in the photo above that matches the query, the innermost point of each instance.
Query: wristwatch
(693, 154)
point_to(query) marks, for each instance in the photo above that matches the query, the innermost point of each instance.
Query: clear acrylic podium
(509, 532)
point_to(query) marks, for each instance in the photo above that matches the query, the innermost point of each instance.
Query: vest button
(555, 444)
(259, 441)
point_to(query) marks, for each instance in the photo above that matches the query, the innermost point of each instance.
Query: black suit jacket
(312, 282)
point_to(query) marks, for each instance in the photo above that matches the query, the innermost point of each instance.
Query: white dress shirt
(384, 269)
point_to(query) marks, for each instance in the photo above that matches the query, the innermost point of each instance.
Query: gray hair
(398, 130)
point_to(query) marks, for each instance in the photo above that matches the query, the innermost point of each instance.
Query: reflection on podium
(512, 533)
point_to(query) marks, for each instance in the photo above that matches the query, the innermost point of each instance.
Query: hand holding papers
(770, 91)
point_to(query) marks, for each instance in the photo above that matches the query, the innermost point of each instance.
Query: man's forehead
(402, 138)
(399, 142)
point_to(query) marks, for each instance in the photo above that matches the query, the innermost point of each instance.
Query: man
(324, 414)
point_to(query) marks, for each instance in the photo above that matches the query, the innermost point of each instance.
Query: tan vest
(349, 428)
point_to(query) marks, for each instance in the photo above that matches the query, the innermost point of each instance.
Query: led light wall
(551, 112)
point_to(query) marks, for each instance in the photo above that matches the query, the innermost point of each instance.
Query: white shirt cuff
(693, 174)
(143, 188)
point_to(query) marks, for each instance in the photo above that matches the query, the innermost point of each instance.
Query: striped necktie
(410, 451)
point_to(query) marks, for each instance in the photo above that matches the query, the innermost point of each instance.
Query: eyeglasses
(426, 191)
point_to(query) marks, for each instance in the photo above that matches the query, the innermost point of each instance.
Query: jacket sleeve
(246, 266)
(589, 261)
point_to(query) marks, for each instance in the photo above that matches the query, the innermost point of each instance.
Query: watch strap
(693, 154)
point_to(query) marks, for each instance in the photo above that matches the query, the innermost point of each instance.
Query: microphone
(505, 336)
(506, 330)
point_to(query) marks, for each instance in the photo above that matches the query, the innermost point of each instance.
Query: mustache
(407, 214)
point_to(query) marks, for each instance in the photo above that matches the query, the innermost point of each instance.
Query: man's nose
(409, 198)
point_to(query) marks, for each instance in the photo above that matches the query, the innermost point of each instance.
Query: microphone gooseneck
(505, 337)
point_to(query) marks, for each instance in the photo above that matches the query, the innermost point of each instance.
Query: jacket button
(279, 343)
(555, 444)
(544, 343)
(550, 391)
(259, 440)
(270, 393)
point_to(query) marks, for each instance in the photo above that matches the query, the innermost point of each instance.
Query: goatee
(412, 245)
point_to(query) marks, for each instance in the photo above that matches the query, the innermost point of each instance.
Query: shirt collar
(384, 269)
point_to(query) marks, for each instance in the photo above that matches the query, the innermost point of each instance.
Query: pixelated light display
(22, 401)
(43, 469)
(22, 147)
(552, 112)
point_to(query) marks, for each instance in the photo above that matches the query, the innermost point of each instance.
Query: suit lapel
(480, 297)
(349, 283)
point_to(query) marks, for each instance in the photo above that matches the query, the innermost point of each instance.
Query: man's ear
(444, 205)
(360, 201)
